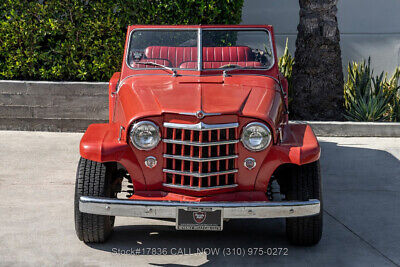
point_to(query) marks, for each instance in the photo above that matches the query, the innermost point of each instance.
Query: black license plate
(206, 219)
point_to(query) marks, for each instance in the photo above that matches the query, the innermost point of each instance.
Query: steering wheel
(230, 66)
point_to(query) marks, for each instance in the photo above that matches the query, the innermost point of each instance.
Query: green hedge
(84, 39)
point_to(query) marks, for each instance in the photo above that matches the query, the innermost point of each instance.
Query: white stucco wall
(367, 27)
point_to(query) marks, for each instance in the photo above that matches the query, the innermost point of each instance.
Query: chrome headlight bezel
(136, 128)
(267, 138)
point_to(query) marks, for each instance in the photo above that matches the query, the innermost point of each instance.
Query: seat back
(218, 64)
(213, 57)
(175, 55)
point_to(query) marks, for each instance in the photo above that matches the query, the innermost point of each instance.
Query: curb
(47, 125)
(354, 129)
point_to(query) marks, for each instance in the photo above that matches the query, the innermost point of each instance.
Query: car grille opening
(200, 156)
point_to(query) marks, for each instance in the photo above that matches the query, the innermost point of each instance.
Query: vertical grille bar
(174, 153)
(209, 155)
(200, 156)
(191, 155)
(218, 154)
(182, 154)
(227, 153)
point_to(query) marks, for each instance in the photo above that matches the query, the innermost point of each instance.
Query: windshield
(221, 48)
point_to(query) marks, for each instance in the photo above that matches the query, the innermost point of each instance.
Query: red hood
(250, 96)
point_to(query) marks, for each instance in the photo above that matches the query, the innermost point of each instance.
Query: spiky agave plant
(393, 86)
(367, 98)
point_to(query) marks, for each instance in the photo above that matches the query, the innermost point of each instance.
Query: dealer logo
(199, 216)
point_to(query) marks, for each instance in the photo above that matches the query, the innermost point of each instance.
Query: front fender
(100, 143)
(299, 146)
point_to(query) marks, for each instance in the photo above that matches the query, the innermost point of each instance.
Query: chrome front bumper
(167, 209)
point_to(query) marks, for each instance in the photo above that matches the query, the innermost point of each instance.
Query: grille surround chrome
(200, 157)
(201, 126)
(199, 143)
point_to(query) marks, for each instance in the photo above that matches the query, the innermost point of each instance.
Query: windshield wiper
(234, 67)
(174, 74)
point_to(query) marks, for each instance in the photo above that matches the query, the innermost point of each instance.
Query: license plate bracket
(204, 219)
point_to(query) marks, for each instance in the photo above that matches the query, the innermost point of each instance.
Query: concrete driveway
(361, 179)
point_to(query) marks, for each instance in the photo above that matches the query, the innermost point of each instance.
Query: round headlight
(256, 136)
(145, 135)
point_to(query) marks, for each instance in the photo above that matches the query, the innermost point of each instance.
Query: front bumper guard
(167, 209)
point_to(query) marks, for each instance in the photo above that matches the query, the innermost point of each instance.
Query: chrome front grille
(200, 156)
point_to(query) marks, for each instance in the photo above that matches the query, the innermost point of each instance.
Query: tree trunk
(317, 72)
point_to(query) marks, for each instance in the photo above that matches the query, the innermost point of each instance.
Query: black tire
(93, 179)
(304, 183)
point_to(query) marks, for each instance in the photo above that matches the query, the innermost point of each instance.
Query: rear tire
(93, 179)
(304, 184)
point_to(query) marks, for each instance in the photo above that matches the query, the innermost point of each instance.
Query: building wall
(367, 27)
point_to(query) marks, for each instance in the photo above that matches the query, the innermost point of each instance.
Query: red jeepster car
(198, 131)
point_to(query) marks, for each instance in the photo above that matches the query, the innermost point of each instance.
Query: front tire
(93, 179)
(304, 184)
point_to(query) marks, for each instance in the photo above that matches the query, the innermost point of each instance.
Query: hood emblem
(199, 114)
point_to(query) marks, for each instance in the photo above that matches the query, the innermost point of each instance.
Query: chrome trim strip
(200, 126)
(195, 114)
(200, 189)
(256, 74)
(199, 159)
(167, 209)
(188, 143)
(199, 175)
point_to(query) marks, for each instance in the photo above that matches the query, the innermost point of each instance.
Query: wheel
(93, 179)
(304, 183)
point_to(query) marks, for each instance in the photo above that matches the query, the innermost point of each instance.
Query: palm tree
(317, 72)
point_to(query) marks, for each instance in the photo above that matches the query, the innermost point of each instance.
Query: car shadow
(237, 234)
(342, 168)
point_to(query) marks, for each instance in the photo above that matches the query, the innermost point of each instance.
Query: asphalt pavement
(361, 186)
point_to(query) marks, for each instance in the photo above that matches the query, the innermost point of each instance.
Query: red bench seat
(213, 57)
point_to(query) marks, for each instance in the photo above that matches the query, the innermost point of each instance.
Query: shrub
(369, 98)
(83, 39)
(394, 88)
(285, 65)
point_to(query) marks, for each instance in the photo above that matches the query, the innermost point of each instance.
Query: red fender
(100, 143)
(299, 146)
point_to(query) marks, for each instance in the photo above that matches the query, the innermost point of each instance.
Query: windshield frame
(200, 45)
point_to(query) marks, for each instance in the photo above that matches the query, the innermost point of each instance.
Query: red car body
(245, 96)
